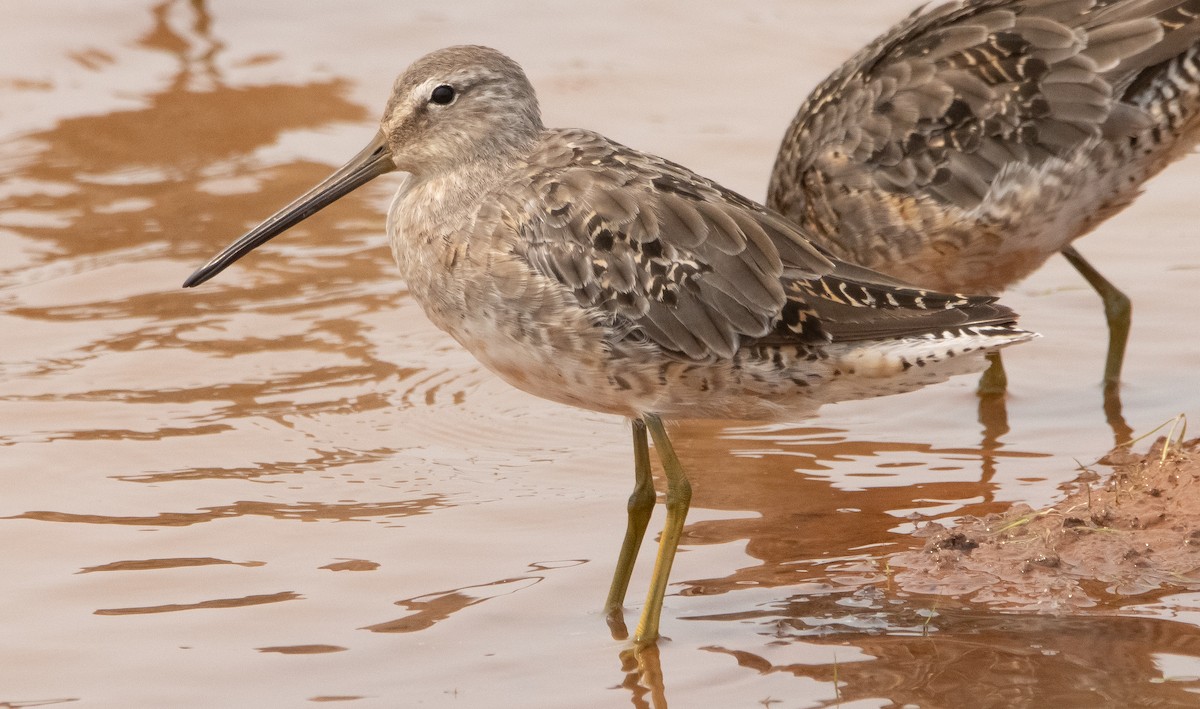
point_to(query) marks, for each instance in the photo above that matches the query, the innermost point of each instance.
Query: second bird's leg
(640, 507)
(679, 498)
(1117, 310)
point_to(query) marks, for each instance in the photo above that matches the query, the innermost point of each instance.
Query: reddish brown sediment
(1138, 530)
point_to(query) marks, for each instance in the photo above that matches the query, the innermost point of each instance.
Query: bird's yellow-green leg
(679, 497)
(994, 381)
(641, 505)
(1117, 310)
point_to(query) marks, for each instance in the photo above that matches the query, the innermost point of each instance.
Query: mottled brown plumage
(974, 140)
(598, 276)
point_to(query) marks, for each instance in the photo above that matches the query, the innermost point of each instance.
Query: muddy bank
(1130, 532)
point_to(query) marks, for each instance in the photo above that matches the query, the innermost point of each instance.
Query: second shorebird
(601, 277)
(973, 141)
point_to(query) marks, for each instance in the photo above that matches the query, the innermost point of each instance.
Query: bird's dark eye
(442, 95)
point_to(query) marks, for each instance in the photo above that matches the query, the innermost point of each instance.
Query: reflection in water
(127, 177)
(1122, 432)
(993, 416)
(195, 47)
(255, 600)
(352, 565)
(1007, 659)
(308, 512)
(154, 564)
(433, 608)
(302, 649)
(38, 703)
(644, 677)
(324, 461)
(806, 529)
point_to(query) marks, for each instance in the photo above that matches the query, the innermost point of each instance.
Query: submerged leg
(994, 381)
(1117, 309)
(679, 497)
(641, 505)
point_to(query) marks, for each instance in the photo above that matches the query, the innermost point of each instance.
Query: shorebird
(971, 142)
(598, 276)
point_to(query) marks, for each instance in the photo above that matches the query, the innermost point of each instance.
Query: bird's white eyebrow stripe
(423, 90)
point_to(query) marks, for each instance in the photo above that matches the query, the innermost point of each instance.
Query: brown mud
(1133, 531)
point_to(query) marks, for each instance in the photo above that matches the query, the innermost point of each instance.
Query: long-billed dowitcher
(973, 141)
(598, 276)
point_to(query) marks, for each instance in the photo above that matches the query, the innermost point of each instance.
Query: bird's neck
(431, 213)
(447, 196)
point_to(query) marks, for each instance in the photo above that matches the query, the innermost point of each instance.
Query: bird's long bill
(371, 162)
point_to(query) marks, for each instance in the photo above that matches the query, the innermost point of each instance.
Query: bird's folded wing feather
(696, 268)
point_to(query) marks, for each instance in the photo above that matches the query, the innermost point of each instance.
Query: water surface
(287, 487)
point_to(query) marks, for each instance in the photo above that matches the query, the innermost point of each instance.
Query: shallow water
(287, 487)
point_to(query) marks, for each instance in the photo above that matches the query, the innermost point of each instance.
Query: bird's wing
(940, 104)
(695, 268)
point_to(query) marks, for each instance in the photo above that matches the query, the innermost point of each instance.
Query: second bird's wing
(938, 106)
